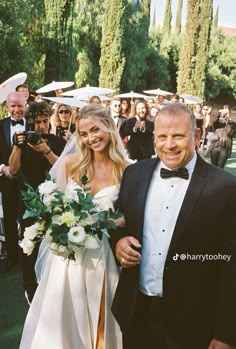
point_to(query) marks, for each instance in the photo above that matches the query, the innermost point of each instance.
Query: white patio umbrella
(104, 98)
(131, 95)
(158, 91)
(189, 99)
(55, 85)
(87, 92)
(73, 102)
(10, 85)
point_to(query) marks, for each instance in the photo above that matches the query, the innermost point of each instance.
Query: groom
(177, 288)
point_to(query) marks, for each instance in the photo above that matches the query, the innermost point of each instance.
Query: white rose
(48, 198)
(70, 194)
(76, 235)
(27, 246)
(91, 242)
(32, 231)
(47, 187)
(56, 219)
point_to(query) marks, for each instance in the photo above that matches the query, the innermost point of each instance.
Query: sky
(227, 11)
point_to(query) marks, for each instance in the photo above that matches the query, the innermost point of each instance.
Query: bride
(71, 307)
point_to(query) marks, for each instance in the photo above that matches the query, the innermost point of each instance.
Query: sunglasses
(204, 108)
(66, 111)
(117, 105)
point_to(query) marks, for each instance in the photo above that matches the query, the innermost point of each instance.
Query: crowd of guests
(33, 135)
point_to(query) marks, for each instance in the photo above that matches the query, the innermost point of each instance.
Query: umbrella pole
(70, 122)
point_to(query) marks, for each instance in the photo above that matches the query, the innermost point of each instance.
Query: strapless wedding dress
(65, 310)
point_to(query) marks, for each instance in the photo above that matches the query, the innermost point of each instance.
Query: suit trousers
(147, 329)
(10, 208)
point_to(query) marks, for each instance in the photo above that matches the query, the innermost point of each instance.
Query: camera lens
(34, 138)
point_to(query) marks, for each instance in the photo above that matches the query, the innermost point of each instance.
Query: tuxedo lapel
(7, 131)
(196, 185)
(145, 177)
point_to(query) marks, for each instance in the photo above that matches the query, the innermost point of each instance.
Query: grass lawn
(13, 306)
(13, 309)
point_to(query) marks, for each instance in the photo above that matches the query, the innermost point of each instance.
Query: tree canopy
(112, 44)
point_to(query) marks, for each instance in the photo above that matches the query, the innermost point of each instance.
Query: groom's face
(175, 138)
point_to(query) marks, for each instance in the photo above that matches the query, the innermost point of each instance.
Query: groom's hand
(127, 252)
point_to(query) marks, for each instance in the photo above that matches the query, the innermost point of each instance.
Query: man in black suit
(140, 133)
(177, 288)
(115, 107)
(16, 106)
(32, 158)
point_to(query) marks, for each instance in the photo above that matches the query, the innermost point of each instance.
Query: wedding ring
(122, 261)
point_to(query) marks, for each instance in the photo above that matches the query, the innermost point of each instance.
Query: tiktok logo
(175, 258)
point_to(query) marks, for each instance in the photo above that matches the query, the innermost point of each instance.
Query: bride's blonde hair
(101, 117)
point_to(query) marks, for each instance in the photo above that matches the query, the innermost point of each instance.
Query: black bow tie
(181, 173)
(117, 116)
(16, 122)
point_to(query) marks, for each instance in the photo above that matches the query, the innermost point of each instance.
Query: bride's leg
(101, 320)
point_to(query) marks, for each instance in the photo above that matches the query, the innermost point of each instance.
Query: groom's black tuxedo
(199, 298)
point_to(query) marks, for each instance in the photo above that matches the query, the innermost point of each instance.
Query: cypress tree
(87, 36)
(203, 46)
(112, 60)
(193, 56)
(179, 17)
(136, 45)
(166, 29)
(216, 18)
(58, 39)
(153, 25)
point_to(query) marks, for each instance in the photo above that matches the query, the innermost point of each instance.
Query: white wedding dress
(65, 310)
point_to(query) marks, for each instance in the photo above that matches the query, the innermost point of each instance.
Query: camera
(32, 137)
(60, 131)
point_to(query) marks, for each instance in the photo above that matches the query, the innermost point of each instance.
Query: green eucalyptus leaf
(84, 180)
(59, 233)
(48, 176)
(105, 232)
(109, 224)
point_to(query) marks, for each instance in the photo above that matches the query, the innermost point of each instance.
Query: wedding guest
(125, 110)
(95, 100)
(200, 119)
(63, 121)
(16, 106)
(140, 132)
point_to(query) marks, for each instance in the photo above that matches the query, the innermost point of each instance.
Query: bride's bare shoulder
(70, 159)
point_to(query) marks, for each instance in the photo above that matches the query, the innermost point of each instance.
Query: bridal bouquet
(68, 220)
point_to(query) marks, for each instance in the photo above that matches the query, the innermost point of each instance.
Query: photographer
(33, 154)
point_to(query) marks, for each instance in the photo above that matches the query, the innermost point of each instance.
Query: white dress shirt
(16, 128)
(163, 204)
